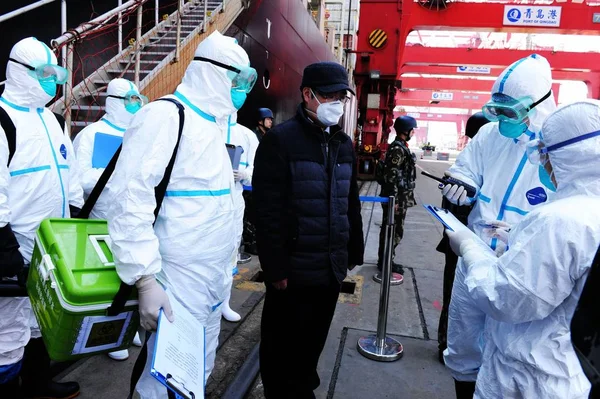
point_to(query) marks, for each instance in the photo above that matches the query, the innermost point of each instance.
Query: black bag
(585, 327)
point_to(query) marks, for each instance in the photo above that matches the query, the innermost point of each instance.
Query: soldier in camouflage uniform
(397, 177)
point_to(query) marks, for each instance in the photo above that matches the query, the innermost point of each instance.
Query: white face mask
(329, 113)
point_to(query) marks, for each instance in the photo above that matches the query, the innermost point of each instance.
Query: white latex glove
(239, 175)
(455, 194)
(498, 229)
(457, 238)
(152, 298)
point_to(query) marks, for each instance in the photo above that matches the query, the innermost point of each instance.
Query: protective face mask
(330, 113)
(238, 97)
(545, 179)
(132, 108)
(512, 130)
(49, 86)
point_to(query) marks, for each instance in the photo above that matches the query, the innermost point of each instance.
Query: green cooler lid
(79, 249)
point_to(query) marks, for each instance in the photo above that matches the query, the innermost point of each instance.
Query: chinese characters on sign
(442, 96)
(532, 16)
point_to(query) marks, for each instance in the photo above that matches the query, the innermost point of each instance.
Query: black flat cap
(326, 77)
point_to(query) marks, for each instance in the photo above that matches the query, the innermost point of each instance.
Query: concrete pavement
(412, 319)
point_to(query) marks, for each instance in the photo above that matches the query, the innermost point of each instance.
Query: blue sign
(63, 151)
(513, 15)
(536, 196)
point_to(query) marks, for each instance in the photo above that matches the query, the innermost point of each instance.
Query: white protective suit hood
(207, 86)
(115, 107)
(575, 167)
(529, 77)
(21, 88)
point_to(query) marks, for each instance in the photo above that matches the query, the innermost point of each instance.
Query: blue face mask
(238, 97)
(132, 108)
(512, 130)
(545, 179)
(49, 86)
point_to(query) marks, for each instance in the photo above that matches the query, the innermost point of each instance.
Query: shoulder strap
(159, 193)
(11, 133)
(61, 120)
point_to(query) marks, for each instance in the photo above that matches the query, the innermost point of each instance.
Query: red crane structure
(390, 71)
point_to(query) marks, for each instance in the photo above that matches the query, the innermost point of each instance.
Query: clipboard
(105, 146)
(235, 155)
(170, 337)
(446, 218)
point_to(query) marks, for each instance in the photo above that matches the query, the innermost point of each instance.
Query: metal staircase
(158, 49)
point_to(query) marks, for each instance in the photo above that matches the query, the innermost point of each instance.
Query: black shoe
(441, 356)
(396, 268)
(52, 390)
(464, 389)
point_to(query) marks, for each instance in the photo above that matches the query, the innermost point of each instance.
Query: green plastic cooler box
(72, 281)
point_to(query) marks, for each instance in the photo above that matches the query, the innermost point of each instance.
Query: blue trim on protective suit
(109, 123)
(229, 130)
(516, 210)
(62, 186)
(509, 190)
(507, 75)
(30, 170)
(15, 106)
(216, 306)
(197, 110)
(198, 193)
(484, 198)
(244, 163)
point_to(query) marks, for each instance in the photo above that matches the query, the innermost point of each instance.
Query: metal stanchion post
(395, 279)
(378, 346)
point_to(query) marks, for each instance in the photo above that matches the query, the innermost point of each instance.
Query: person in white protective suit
(191, 248)
(508, 187)
(97, 143)
(241, 136)
(38, 182)
(530, 293)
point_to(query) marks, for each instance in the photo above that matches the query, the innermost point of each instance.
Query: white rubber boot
(137, 341)
(228, 313)
(119, 355)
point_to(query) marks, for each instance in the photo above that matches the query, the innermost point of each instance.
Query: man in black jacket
(308, 230)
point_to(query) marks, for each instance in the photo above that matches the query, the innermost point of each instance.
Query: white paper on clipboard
(446, 218)
(178, 361)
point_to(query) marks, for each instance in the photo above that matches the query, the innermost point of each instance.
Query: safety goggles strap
(538, 102)
(570, 141)
(217, 63)
(23, 64)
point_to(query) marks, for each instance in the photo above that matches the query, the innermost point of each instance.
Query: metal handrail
(25, 9)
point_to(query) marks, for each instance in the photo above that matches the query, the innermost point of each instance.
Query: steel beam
(437, 84)
(576, 18)
(437, 56)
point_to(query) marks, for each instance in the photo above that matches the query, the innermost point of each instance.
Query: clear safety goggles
(512, 111)
(537, 152)
(46, 72)
(132, 98)
(242, 77)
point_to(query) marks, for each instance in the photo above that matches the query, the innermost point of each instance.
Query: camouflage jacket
(399, 174)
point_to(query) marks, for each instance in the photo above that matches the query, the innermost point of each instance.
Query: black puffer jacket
(305, 195)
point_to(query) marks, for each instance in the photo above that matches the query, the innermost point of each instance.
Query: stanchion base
(397, 278)
(244, 258)
(392, 350)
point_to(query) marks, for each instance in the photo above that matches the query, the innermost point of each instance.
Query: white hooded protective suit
(40, 183)
(508, 188)
(190, 248)
(96, 144)
(531, 292)
(240, 135)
